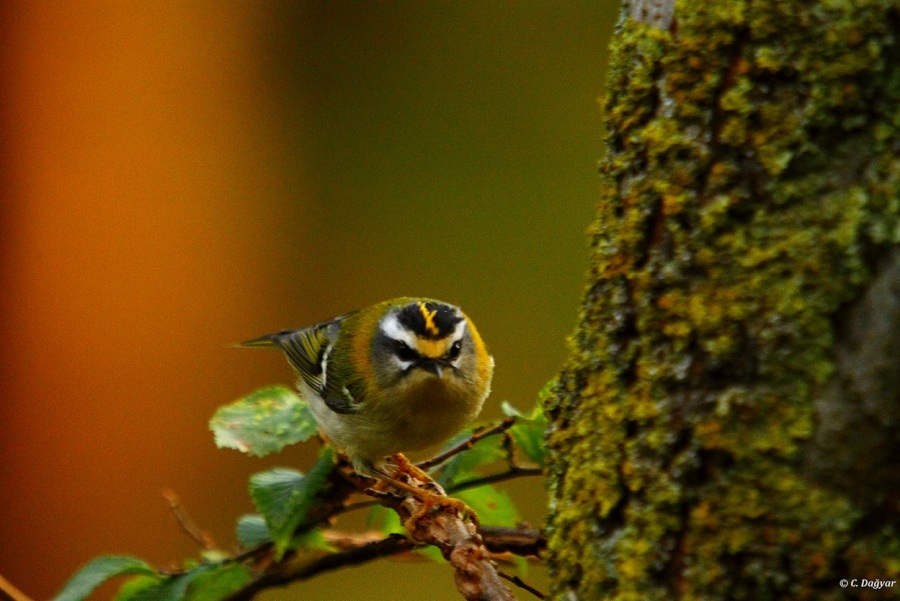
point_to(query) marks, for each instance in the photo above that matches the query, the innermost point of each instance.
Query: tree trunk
(728, 423)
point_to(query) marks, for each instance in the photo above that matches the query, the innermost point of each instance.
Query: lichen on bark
(750, 195)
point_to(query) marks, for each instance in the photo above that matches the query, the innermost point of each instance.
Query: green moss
(750, 177)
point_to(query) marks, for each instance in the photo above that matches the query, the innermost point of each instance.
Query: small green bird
(401, 375)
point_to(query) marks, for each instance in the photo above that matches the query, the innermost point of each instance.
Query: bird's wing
(308, 350)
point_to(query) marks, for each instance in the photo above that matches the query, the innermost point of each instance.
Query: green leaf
(528, 431)
(252, 530)
(493, 506)
(386, 520)
(528, 436)
(263, 422)
(217, 584)
(214, 556)
(175, 587)
(509, 410)
(463, 465)
(276, 493)
(284, 496)
(134, 586)
(313, 539)
(203, 582)
(172, 588)
(99, 571)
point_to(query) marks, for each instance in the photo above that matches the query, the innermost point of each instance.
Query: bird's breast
(431, 410)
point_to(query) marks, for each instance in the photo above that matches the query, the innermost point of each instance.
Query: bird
(398, 376)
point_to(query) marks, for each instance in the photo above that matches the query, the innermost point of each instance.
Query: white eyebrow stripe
(459, 330)
(391, 328)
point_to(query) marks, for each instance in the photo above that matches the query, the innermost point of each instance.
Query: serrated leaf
(284, 496)
(493, 506)
(99, 571)
(274, 493)
(263, 422)
(463, 465)
(251, 530)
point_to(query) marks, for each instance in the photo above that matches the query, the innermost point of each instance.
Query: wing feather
(308, 351)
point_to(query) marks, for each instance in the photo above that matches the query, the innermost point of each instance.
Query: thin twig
(514, 471)
(8, 591)
(187, 524)
(506, 424)
(522, 584)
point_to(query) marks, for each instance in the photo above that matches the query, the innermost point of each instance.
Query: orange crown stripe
(429, 319)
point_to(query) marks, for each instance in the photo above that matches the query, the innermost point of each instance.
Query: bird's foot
(417, 483)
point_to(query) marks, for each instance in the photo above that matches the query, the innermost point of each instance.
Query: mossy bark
(728, 424)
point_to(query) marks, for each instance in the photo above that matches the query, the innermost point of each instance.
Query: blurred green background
(180, 176)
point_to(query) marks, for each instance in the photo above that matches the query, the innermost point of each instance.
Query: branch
(291, 570)
(523, 585)
(513, 472)
(476, 575)
(432, 518)
(497, 540)
(428, 514)
(467, 444)
(518, 541)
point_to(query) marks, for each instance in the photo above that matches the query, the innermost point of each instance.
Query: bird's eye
(404, 353)
(453, 353)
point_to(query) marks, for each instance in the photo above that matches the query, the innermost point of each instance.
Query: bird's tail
(267, 341)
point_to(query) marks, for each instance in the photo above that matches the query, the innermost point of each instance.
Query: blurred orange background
(180, 176)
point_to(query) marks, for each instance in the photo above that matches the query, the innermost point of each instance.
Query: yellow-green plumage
(399, 376)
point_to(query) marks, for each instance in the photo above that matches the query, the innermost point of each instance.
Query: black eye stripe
(403, 352)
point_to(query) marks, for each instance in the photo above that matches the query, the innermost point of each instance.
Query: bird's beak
(434, 367)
